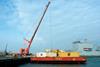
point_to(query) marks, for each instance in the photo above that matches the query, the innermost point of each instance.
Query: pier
(8, 61)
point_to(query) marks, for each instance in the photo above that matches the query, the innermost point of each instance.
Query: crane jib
(38, 24)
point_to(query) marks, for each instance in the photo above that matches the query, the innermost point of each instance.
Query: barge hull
(58, 60)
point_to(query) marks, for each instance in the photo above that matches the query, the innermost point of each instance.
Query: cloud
(27, 12)
(74, 13)
(7, 13)
(61, 13)
(62, 18)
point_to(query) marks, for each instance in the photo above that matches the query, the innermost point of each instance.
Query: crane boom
(30, 42)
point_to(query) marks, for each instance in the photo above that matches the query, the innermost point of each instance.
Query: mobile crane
(25, 51)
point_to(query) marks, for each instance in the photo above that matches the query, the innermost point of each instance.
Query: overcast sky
(65, 21)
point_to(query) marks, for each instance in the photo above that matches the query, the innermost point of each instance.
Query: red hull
(58, 59)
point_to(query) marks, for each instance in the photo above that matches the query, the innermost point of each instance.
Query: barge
(58, 57)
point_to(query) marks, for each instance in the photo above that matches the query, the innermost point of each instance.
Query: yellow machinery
(68, 54)
(61, 53)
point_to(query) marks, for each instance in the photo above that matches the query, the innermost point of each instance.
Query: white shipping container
(51, 54)
(41, 54)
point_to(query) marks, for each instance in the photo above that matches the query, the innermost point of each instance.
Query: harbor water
(91, 62)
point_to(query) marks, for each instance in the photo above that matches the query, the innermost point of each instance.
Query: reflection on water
(52, 65)
(91, 62)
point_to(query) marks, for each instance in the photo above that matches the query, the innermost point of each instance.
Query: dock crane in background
(25, 51)
(6, 53)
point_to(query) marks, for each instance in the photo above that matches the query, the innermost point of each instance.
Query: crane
(25, 51)
(6, 53)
